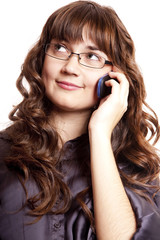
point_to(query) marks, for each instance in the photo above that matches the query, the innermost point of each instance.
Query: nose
(71, 66)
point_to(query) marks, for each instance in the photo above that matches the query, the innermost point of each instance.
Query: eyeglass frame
(106, 62)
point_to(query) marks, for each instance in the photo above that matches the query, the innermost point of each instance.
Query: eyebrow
(94, 48)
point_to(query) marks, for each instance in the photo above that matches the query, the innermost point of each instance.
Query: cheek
(94, 79)
(47, 72)
(48, 77)
(92, 88)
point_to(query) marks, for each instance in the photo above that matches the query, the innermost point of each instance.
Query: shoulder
(5, 144)
(5, 151)
(9, 183)
(11, 192)
(12, 196)
(13, 211)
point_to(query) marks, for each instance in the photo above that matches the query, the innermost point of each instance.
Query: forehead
(86, 36)
(85, 40)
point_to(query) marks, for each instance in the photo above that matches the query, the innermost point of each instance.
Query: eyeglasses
(88, 59)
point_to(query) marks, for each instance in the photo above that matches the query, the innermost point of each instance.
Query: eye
(59, 47)
(93, 56)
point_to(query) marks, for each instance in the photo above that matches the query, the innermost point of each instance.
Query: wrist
(100, 128)
(99, 132)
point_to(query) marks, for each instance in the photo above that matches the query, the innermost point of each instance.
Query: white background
(21, 22)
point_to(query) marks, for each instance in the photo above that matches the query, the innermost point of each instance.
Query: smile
(68, 85)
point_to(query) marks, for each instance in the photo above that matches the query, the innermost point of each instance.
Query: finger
(118, 75)
(121, 89)
(124, 84)
(115, 86)
(120, 98)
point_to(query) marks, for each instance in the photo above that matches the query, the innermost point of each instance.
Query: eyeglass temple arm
(108, 62)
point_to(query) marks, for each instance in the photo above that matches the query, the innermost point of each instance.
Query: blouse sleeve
(147, 216)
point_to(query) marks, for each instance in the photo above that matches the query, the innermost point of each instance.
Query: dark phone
(102, 89)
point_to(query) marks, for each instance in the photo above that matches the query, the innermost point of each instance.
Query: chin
(73, 108)
(70, 105)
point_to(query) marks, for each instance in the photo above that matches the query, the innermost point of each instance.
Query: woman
(75, 166)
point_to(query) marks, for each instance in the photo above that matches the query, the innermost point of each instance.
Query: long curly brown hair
(35, 150)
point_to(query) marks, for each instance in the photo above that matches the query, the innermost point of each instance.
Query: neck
(70, 125)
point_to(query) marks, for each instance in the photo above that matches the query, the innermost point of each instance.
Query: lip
(68, 85)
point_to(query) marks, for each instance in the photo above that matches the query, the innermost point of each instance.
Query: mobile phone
(102, 89)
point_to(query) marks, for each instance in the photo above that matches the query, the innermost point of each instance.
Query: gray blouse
(73, 225)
